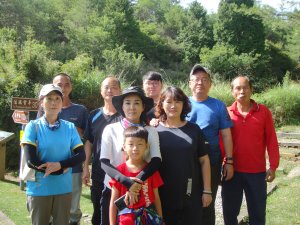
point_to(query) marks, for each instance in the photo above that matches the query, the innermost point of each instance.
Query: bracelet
(228, 163)
(207, 192)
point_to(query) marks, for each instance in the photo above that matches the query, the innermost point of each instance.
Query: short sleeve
(157, 180)
(225, 121)
(75, 138)
(88, 130)
(30, 134)
(202, 143)
(84, 118)
(106, 144)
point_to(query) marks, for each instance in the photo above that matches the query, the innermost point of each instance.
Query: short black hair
(62, 74)
(152, 75)
(136, 131)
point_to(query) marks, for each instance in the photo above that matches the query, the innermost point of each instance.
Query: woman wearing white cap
(51, 146)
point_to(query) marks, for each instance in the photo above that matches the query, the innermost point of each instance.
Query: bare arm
(112, 207)
(86, 171)
(205, 169)
(227, 142)
(157, 203)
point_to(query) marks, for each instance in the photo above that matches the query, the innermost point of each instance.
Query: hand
(131, 198)
(50, 167)
(270, 175)
(154, 122)
(228, 171)
(137, 185)
(86, 176)
(206, 199)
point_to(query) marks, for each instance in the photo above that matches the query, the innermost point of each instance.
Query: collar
(52, 127)
(255, 107)
(126, 123)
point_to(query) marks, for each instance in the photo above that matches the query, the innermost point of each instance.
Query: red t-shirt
(146, 194)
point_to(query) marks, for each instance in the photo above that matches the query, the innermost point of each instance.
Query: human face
(135, 148)
(172, 108)
(200, 84)
(241, 90)
(133, 107)
(65, 84)
(110, 87)
(52, 103)
(152, 88)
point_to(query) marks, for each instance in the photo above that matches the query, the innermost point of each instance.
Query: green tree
(240, 27)
(196, 33)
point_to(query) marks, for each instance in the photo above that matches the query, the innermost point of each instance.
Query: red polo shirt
(251, 136)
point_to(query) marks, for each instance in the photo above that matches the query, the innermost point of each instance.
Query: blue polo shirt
(212, 116)
(53, 146)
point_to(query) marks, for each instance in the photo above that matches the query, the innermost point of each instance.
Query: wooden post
(2, 160)
(4, 137)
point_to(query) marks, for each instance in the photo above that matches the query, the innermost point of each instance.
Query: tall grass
(283, 101)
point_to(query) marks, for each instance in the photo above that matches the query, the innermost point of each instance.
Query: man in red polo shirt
(252, 133)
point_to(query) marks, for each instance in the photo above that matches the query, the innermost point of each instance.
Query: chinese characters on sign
(29, 104)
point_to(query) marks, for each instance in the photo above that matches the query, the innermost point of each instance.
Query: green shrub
(283, 101)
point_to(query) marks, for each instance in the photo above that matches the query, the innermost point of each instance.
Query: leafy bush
(284, 102)
(126, 65)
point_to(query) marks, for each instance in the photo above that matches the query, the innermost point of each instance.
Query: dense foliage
(90, 39)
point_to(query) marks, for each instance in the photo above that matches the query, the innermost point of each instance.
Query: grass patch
(283, 205)
(13, 203)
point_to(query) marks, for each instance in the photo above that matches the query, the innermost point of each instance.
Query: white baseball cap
(47, 88)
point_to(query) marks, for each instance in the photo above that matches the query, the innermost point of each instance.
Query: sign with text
(29, 104)
(21, 117)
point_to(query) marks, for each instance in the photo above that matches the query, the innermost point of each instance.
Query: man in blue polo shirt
(212, 117)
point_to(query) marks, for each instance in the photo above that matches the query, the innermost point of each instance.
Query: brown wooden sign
(29, 104)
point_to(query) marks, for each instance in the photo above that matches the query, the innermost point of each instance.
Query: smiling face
(241, 89)
(200, 83)
(135, 148)
(52, 103)
(133, 107)
(172, 108)
(110, 87)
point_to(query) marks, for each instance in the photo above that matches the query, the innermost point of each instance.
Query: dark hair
(62, 74)
(136, 131)
(152, 75)
(177, 94)
(242, 76)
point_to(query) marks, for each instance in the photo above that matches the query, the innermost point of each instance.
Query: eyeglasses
(203, 80)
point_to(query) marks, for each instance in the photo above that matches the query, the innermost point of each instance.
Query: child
(148, 208)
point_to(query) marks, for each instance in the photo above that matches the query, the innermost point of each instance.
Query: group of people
(164, 173)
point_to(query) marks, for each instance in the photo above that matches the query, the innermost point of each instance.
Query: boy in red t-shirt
(135, 145)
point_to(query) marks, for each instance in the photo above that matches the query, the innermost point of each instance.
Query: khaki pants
(75, 212)
(41, 208)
